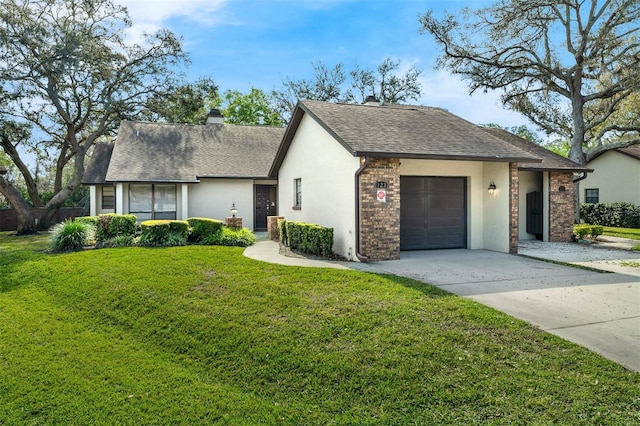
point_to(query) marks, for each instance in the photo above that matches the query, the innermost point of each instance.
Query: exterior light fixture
(492, 188)
(234, 210)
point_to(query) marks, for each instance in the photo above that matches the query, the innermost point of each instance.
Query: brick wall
(513, 207)
(380, 221)
(561, 206)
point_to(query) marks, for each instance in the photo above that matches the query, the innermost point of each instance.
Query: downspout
(582, 177)
(361, 257)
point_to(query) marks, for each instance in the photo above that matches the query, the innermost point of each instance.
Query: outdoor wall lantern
(233, 210)
(492, 188)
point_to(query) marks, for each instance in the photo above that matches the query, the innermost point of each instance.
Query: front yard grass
(200, 334)
(631, 233)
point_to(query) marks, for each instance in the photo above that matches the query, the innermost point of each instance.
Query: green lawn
(196, 334)
(631, 233)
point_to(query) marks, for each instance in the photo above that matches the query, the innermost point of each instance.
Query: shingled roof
(158, 152)
(550, 160)
(96, 171)
(402, 132)
(631, 151)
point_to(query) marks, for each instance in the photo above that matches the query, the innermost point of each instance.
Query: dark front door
(265, 205)
(534, 214)
(432, 212)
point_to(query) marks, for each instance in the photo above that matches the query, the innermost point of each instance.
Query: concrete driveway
(598, 310)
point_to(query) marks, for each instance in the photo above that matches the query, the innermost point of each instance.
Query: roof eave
(376, 154)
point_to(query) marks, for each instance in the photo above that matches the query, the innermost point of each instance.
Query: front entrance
(433, 212)
(265, 205)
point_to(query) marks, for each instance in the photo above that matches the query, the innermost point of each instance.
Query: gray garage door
(432, 212)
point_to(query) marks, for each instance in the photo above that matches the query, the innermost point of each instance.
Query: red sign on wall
(382, 195)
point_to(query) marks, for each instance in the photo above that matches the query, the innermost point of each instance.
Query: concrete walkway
(600, 311)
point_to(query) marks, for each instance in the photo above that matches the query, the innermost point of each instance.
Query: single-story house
(389, 178)
(615, 177)
(177, 171)
(386, 178)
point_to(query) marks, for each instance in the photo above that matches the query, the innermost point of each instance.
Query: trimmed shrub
(240, 237)
(119, 241)
(89, 220)
(309, 238)
(112, 225)
(585, 230)
(282, 231)
(201, 227)
(622, 215)
(71, 235)
(163, 233)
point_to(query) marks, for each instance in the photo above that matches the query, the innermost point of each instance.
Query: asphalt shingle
(411, 132)
(158, 152)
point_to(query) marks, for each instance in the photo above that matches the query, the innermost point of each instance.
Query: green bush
(112, 225)
(89, 220)
(309, 238)
(119, 241)
(585, 230)
(621, 215)
(203, 227)
(163, 233)
(240, 237)
(282, 231)
(71, 235)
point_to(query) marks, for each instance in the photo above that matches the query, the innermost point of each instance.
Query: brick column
(380, 221)
(272, 227)
(513, 208)
(233, 222)
(561, 207)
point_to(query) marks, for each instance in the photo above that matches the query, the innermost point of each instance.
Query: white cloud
(445, 90)
(151, 15)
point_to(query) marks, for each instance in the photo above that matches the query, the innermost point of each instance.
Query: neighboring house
(177, 171)
(615, 177)
(389, 178)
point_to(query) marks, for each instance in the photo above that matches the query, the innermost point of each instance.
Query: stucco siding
(496, 207)
(616, 176)
(326, 170)
(213, 198)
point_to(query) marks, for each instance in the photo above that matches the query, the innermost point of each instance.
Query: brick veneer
(233, 222)
(380, 222)
(272, 227)
(561, 206)
(513, 207)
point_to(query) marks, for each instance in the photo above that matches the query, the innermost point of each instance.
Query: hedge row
(115, 230)
(585, 230)
(163, 233)
(306, 237)
(622, 215)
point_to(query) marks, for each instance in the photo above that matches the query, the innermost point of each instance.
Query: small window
(297, 185)
(592, 196)
(108, 198)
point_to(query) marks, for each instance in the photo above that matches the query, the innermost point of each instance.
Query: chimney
(215, 117)
(372, 101)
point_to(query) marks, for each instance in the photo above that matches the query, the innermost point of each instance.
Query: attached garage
(433, 212)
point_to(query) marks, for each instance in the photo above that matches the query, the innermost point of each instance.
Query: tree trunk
(576, 152)
(26, 224)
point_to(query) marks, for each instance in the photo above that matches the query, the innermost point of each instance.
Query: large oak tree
(67, 79)
(570, 66)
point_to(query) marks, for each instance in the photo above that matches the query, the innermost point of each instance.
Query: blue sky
(245, 43)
